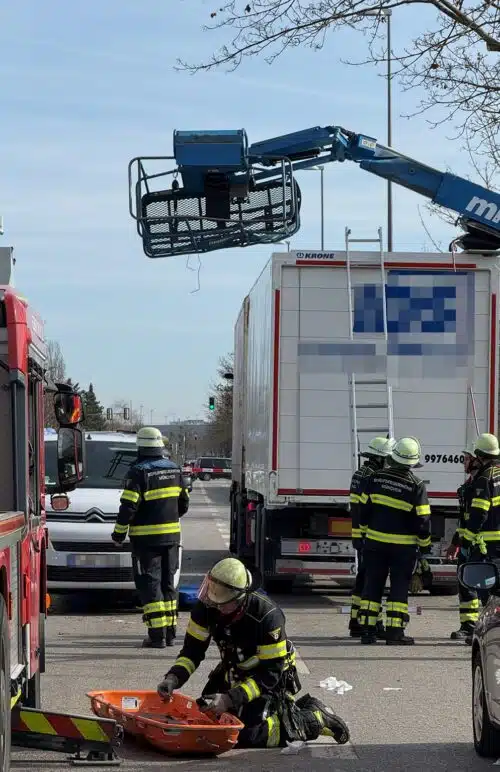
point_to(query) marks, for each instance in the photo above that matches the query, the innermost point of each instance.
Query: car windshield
(107, 464)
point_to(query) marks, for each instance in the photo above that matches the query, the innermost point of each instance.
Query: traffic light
(211, 403)
(109, 414)
(126, 413)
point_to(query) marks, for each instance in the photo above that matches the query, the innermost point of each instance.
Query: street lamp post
(322, 200)
(385, 14)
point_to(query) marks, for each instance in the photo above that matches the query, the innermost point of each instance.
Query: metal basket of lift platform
(174, 222)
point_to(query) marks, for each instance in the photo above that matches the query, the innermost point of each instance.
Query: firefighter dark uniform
(395, 520)
(378, 449)
(256, 678)
(150, 507)
(481, 535)
(468, 599)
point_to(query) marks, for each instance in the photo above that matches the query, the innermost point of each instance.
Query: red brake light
(304, 546)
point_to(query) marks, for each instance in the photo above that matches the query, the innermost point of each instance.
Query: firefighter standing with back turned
(256, 678)
(395, 520)
(468, 600)
(481, 537)
(376, 453)
(150, 506)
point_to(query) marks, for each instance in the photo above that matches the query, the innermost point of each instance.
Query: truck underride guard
(91, 741)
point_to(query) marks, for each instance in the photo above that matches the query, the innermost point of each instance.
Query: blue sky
(85, 87)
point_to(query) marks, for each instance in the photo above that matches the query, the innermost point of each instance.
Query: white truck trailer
(332, 348)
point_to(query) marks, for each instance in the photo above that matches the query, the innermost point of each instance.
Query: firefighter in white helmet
(153, 500)
(468, 600)
(395, 520)
(256, 678)
(481, 536)
(377, 451)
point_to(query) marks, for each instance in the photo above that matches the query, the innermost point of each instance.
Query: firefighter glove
(118, 538)
(218, 704)
(169, 684)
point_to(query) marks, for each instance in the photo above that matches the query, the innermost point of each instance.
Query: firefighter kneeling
(256, 678)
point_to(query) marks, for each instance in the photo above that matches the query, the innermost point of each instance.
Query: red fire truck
(23, 536)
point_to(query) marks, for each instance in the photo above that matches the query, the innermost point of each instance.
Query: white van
(81, 554)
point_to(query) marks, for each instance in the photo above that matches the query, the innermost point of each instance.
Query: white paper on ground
(294, 747)
(331, 684)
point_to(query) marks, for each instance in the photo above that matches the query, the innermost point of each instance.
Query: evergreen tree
(94, 411)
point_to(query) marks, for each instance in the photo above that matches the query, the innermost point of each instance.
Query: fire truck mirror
(70, 466)
(68, 409)
(59, 502)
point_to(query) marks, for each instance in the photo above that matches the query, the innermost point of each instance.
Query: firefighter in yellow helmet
(377, 451)
(256, 678)
(395, 521)
(481, 536)
(151, 504)
(468, 600)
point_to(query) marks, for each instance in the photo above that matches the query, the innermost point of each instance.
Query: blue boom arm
(236, 194)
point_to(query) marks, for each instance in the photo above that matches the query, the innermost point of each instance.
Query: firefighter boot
(380, 631)
(355, 629)
(154, 640)
(396, 637)
(170, 636)
(330, 725)
(464, 632)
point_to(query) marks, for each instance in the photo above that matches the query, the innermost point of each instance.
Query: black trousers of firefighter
(154, 575)
(264, 728)
(382, 560)
(468, 602)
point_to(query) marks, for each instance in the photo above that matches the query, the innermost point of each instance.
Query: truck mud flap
(91, 741)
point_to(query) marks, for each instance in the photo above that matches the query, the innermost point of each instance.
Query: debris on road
(294, 747)
(331, 684)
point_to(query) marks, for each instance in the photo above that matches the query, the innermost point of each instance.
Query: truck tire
(5, 714)
(206, 476)
(279, 586)
(444, 590)
(34, 686)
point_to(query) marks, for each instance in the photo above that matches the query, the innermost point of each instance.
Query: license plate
(93, 561)
(326, 547)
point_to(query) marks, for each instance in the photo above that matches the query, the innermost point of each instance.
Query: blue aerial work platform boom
(236, 195)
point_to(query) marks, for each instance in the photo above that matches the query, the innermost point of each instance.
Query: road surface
(409, 709)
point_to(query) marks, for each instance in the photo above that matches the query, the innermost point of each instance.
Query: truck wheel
(444, 590)
(205, 476)
(279, 586)
(34, 685)
(5, 714)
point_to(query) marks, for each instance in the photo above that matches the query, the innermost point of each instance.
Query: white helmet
(226, 585)
(487, 445)
(149, 437)
(407, 451)
(380, 447)
(470, 449)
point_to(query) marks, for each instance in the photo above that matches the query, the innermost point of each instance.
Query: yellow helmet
(226, 586)
(487, 445)
(407, 451)
(149, 437)
(380, 447)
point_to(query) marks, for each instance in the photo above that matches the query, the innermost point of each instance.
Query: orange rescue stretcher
(177, 727)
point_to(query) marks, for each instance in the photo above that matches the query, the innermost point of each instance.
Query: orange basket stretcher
(177, 727)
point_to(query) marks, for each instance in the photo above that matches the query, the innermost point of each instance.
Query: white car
(81, 554)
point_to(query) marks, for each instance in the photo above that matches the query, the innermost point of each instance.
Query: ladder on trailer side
(356, 407)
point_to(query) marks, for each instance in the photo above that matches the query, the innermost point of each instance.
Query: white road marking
(215, 511)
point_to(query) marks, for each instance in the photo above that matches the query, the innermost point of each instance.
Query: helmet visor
(216, 595)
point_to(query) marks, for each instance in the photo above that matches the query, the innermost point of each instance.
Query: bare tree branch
(451, 60)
